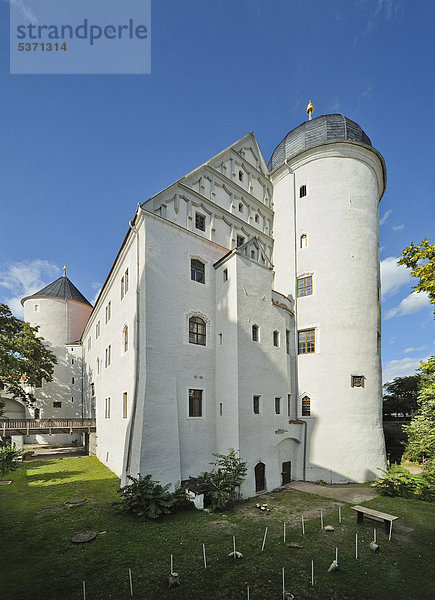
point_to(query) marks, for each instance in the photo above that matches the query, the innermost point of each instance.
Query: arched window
(197, 331)
(260, 477)
(306, 406)
(125, 338)
(304, 240)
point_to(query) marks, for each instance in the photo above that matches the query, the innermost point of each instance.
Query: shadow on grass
(54, 475)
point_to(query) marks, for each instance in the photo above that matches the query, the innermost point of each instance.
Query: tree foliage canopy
(24, 359)
(401, 395)
(421, 259)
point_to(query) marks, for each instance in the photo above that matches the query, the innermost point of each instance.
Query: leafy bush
(147, 498)
(10, 459)
(221, 485)
(398, 481)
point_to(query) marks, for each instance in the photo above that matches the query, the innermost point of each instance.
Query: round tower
(61, 313)
(328, 181)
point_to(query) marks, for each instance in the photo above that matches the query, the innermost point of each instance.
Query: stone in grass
(235, 555)
(333, 566)
(173, 580)
(76, 501)
(287, 595)
(329, 528)
(294, 545)
(374, 546)
(81, 538)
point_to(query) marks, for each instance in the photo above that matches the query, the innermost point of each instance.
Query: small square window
(57, 404)
(302, 191)
(200, 221)
(240, 241)
(195, 403)
(357, 380)
(305, 286)
(306, 341)
(256, 405)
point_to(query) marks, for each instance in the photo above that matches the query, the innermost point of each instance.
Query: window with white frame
(107, 408)
(305, 286)
(200, 221)
(197, 270)
(108, 356)
(97, 329)
(306, 406)
(306, 341)
(277, 406)
(197, 331)
(108, 311)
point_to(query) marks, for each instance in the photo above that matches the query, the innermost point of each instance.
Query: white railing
(33, 425)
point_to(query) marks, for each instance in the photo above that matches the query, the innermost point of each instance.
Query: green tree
(421, 429)
(24, 359)
(10, 459)
(401, 395)
(421, 259)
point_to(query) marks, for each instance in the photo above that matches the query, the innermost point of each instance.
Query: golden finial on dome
(64, 271)
(310, 110)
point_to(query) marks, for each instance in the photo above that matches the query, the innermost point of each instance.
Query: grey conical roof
(61, 288)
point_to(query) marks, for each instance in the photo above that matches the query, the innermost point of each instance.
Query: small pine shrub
(10, 459)
(144, 497)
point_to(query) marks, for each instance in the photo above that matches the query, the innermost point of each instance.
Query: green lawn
(40, 562)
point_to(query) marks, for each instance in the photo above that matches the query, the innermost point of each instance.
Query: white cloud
(385, 216)
(411, 304)
(393, 276)
(400, 368)
(24, 278)
(409, 350)
(398, 227)
(97, 293)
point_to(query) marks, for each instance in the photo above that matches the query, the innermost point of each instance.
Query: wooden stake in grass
(284, 532)
(248, 592)
(356, 545)
(84, 591)
(336, 555)
(131, 583)
(303, 526)
(234, 546)
(203, 554)
(339, 514)
(283, 584)
(172, 564)
(321, 519)
(312, 572)
(391, 531)
(374, 535)
(264, 540)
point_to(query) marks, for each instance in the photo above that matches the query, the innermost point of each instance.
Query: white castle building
(242, 311)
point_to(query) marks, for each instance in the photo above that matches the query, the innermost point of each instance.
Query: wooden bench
(375, 515)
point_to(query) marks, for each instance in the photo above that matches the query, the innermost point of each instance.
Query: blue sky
(79, 152)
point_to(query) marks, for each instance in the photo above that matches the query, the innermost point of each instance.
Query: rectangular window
(72, 380)
(108, 356)
(200, 221)
(276, 338)
(126, 283)
(357, 381)
(124, 405)
(225, 273)
(108, 311)
(97, 329)
(302, 191)
(92, 389)
(89, 343)
(57, 404)
(256, 405)
(306, 341)
(277, 406)
(122, 287)
(107, 408)
(305, 286)
(287, 341)
(289, 405)
(197, 271)
(255, 333)
(240, 241)
(220, 339)
(306, 406)
(220, 409)
(195, 403)
(98, 366)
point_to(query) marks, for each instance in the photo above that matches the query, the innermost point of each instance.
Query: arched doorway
(260, 477)
(288, 459)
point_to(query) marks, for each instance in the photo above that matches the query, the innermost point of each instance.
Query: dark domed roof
(327, 128)
(61, 288)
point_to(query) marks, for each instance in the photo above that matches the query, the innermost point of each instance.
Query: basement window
(357, 380)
